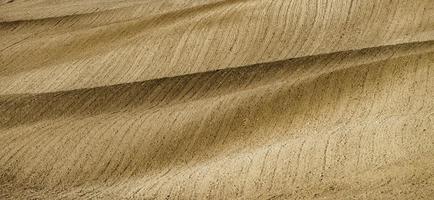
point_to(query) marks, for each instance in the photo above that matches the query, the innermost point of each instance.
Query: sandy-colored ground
(217, 99)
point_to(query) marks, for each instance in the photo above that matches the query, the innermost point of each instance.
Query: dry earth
(217, 99)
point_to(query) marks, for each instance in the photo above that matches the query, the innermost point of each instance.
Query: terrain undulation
(217, 99)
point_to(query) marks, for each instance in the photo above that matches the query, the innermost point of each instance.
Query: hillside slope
(217, 99)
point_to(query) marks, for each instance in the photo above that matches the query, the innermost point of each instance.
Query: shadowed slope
(153, 93)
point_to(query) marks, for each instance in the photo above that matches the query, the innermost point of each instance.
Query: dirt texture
(217, 99)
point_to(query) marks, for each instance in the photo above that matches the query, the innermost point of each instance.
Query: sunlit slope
(118, 43)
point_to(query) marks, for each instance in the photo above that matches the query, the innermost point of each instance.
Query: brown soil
(216, 99)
